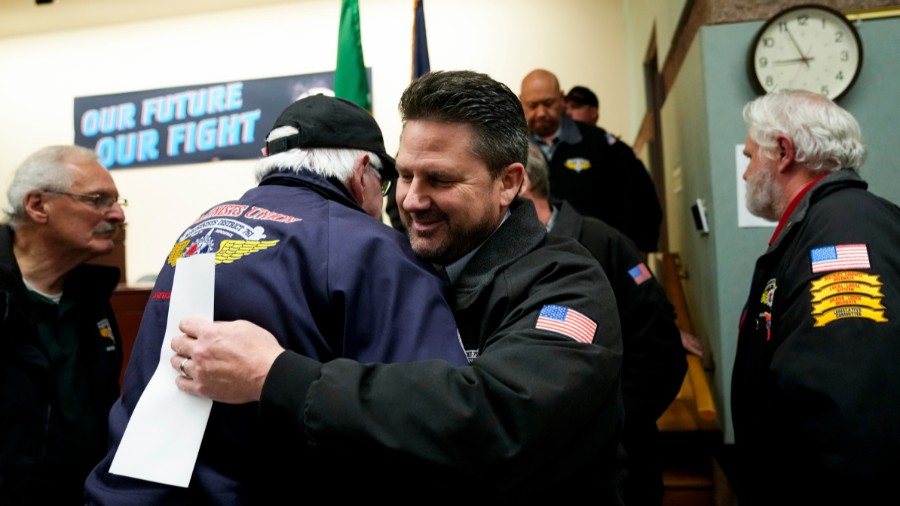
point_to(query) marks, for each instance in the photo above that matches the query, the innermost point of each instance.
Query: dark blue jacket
(299, 257)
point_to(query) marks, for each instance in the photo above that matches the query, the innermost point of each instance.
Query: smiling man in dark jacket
(537, 414)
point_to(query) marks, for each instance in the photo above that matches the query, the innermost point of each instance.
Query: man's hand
(226, 361)
(691, 344)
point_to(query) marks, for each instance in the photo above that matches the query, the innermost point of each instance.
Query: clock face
(809, 48)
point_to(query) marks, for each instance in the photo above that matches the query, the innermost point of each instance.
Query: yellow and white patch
(847, 294)
(577, 164)
(106, 332)
(229, 250)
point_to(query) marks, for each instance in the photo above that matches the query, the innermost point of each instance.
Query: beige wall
(581, 40)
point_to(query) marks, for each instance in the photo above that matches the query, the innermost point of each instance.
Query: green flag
(350, 81)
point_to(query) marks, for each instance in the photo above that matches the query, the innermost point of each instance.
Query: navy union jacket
(299, 257)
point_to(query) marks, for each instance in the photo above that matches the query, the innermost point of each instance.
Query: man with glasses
(60, 354)
(303, 254)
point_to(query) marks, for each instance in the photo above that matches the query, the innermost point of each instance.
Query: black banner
(189, 124)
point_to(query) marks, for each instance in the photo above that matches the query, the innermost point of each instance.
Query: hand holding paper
(229, 360)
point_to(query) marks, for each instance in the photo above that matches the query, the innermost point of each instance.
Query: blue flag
(420, 63)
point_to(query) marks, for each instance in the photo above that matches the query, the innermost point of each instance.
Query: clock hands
(803, 58)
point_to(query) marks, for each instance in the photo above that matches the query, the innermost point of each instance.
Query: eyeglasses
(385, 183)
(102, 201)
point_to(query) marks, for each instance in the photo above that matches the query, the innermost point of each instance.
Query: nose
(116, 213)
(541, 110)
(414, 198)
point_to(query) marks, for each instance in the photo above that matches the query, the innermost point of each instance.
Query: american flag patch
(567, 322)
(640, 273)
(842, 256)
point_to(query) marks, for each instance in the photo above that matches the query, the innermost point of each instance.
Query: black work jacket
(31, 428)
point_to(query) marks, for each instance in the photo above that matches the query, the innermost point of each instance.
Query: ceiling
(26, 17)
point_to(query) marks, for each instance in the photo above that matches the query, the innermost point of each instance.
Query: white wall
(580, 40)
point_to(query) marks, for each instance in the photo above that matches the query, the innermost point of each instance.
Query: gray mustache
(107, 227)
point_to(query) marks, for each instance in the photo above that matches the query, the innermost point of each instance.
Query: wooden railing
(693, 407)
(689, 430)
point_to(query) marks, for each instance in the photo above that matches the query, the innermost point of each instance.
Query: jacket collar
(329, 188)
(85, 280)
(518, 235)
(568, 222)
(832, 182)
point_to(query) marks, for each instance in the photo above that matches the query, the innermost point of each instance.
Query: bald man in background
(593, 170)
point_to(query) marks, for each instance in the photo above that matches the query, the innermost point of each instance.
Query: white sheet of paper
(745, 218)
(162, 439)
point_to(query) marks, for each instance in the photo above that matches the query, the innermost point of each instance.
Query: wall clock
(808, 47)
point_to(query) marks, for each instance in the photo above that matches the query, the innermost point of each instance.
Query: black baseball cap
(331, 122)
(583, 96)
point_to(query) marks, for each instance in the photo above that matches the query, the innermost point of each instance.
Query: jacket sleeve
(654, 362)
(834, 370)
(531, 397)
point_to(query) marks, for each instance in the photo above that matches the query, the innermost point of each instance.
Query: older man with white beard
(814, 387)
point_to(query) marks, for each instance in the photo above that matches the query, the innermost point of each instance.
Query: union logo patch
(105, 330)
(230, 239)
(577, 164)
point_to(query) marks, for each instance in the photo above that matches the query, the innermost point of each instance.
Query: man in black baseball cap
(582, 105)
(330, 122)
(299, 256)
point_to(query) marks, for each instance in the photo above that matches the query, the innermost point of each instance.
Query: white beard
(764, 195)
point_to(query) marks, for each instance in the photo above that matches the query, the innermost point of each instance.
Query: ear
(36, 207)
(526, 184)
(357, 182)
(510, 180)
(784, 151)
(264, 150)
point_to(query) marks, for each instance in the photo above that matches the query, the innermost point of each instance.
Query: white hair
(327, 162)
(43, 170)
(825, 136)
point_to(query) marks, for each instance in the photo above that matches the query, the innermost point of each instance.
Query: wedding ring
(181, 368)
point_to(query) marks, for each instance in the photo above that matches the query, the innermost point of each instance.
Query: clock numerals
(807, 47)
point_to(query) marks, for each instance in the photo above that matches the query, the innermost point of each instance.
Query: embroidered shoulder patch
(839, 257)
(106, 332)
(640, 273)
(846, 294)
(568, 322)
(577, 164)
